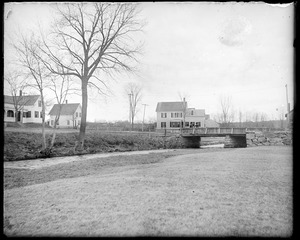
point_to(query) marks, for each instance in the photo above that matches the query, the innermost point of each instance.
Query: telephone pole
(144, 116)
(288, 106)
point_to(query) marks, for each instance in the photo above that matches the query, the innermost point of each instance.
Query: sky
(200, 50)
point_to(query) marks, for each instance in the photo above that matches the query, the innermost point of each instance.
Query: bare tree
(15, 87)
(248, 116)
(135, 96)
(61, 86)
(28, 50)
(263, 117)
(256, 118)
(232, 115)
(240, 117)
(89, 40)
(227, 112)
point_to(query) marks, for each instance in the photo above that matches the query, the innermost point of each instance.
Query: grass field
(204, 192)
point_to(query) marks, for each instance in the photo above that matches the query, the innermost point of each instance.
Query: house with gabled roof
(27, 108)
(177, 115)
(70, 115)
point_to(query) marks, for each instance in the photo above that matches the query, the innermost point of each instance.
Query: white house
(29, 108)
(70, 115)
(176, 115)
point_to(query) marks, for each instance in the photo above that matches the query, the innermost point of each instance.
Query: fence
(214, 131)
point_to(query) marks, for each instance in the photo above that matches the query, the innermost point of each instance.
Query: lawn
(204, 192)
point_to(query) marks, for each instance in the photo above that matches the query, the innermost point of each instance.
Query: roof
(66, 109)
(169, 106)
(196, 113)
(27, 100)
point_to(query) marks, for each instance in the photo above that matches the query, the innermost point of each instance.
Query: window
(10, 113)
(174, 124)
(57, 122)
(198, 124)
(192, 112)
(39, 103)
(28, 114)
(192, 124)
(76, 114)
(41, 114)
(187, 124)
(163, 124)
(36, 114)
(177, 115)
(163, 115)
(68, 122)
(24, 114)
(52, 122)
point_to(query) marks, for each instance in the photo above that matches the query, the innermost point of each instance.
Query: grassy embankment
(21, 145)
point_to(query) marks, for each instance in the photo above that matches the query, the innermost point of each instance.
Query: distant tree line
(230, 117)
(263, 124)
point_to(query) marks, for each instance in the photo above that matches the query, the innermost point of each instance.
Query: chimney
(20, 92)
(66, 101)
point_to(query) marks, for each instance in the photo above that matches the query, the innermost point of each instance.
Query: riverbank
(22, 145)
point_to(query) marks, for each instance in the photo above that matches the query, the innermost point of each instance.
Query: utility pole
(144, 116)
(287, 105)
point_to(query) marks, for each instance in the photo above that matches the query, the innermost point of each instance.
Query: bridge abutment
(235, 141)
(191, 142)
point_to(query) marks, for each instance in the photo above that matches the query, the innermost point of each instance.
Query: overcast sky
(203, 50)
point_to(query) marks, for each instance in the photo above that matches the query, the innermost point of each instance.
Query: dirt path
(46, 162)
(238, 192)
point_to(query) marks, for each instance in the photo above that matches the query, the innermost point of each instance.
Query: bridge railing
(239, 130)
(226, 130)
(213, 131)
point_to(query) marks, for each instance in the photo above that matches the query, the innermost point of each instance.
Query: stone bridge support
(191, 142)
(235, 141)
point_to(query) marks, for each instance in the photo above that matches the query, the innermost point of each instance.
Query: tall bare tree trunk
(43, 122)
(84, 113)
(53, 137)
(16, 115)
(132, 123)
(54, 131)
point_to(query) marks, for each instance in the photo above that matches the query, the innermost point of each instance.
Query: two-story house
(176, 115)
(27, 109)
(70, 115)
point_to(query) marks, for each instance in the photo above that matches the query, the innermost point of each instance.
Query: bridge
(234, 137)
